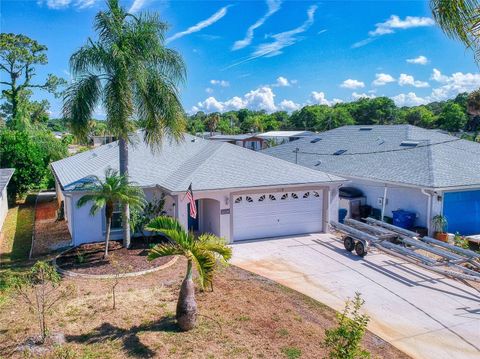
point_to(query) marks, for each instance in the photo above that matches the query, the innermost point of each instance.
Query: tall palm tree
(115, 189)
(204, 251)
(459, 19)
(132, 75)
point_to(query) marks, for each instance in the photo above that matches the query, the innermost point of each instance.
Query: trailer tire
(360, 249)
(349, 243)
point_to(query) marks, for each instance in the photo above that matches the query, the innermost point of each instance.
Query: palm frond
(205, 263)
(211, 243)
(163, 223)
(80, 100)
(164, 250)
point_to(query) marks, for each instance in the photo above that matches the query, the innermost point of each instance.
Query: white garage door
(276, 214)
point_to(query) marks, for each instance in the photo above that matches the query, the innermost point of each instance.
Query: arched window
(271, 197)
(261, 198)
(306, 195)
(315, 194)
(239, 199)
(248, 199)
(284, 196)
(294, 196)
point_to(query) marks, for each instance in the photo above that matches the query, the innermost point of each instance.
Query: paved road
(420, 312)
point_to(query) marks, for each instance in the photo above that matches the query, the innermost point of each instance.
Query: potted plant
(440, 226)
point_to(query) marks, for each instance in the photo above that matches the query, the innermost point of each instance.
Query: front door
(192, 222)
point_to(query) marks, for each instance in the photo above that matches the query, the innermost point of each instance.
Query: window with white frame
(117, 217)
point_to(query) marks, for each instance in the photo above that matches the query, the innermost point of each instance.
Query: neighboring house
(281, 137)
(5, 175)
(96, 141)
(206, 135)
(423, 171)
(241, 194)
(250, 141)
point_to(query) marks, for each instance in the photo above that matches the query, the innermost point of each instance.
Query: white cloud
(409, 99)
(382, 79)
(357, 96)
(408, 80)
(352, 84)
(209, 90)
(261, 98)
(62, 4)
(285, 39)
(273, 7)
(137, 5)
(452, 85)
(393, 24)
(288, 105)
(201, 25)
(280, 40)
(420, 60)
(282, 82)
(221, 83)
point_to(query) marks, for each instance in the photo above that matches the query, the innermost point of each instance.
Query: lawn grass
(15, 243)
(17, 232)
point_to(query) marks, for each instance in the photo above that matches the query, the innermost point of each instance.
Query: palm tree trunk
(186, 305)
(107, 236)
(123, 156)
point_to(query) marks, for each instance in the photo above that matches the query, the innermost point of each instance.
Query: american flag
(193, 207)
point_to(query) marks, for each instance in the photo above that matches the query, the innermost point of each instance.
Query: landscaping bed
(246, 316)
(88, 258)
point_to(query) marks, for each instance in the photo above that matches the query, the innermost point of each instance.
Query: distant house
(250, 141)
(400, 167)
(280, 137)
(96, 141)
(5, 176)
(240, 194)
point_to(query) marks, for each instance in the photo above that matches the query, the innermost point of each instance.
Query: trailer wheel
(360, 249)
(349, 243)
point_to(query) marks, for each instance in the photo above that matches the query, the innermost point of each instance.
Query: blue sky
(275, 55)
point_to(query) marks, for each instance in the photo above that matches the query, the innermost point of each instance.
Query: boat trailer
(443, 258)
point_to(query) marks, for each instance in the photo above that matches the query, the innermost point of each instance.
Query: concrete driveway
(420, 312)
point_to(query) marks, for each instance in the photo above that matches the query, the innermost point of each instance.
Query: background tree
(452, 118)
(130, 72)
(419, 116)
(114, 190)
(18, 150)
(203, 252)
(212, 122)
(19, 57)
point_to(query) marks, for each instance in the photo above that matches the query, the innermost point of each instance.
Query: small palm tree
(115, 189)
(204, 251)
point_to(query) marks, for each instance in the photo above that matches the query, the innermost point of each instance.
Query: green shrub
(343, 342)
(292, 352)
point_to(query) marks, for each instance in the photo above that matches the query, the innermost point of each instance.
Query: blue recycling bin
(342, 213)
(403, 219)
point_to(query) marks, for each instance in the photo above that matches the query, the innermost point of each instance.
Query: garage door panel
(268, 215)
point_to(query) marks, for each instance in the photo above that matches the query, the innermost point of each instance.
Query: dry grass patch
(246, 316)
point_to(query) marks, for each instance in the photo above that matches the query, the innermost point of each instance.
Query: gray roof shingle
(5, 175)
(208, 165)
(430, 159)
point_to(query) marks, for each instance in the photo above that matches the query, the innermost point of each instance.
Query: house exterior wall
(3, 207)
(215, 212)
(398, 197)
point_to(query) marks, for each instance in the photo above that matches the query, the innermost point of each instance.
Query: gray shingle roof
(437, 160)
(5, 175)
(206, 164)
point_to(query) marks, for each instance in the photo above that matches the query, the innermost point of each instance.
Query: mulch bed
(88, 258)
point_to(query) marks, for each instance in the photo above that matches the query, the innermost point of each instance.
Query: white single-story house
(420, 170)
(247, 140)
(280, 137)
(5, 176)
(241, 194)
